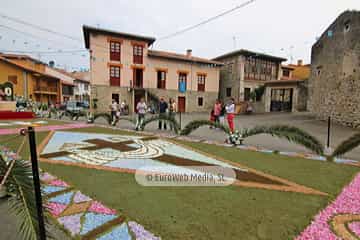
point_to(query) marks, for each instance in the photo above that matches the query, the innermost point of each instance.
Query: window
(161, 79)
(347, 26)
(247, 94)
(138, 54)
(200, 101)
(12, 79)
(115, 51)
(86, 87)
(114, 76)
(201, 82)
(228, 92)
(286, 73)
(182, 82)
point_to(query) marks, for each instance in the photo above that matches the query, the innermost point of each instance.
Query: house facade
(262, 80)
(244, 71)
(290, 93)
(123, 68)
(35, 80)
(82, 86)
(25, 77)
(334, 86)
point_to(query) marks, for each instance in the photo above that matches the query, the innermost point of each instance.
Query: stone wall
(334, 86)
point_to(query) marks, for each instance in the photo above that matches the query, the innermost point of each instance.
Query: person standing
(163, 109)
(230, 110)
(141, 111)
(113, 108)
(217, 110)
(172, 110)
(222, 114)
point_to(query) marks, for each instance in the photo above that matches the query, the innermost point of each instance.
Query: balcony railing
(45, 89)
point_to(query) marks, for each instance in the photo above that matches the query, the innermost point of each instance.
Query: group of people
(118, 109)
(165, 109)
(219, 111)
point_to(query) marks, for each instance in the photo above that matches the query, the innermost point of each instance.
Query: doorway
(138, 77)
(281, 100)
(181, 104)
(115, 97)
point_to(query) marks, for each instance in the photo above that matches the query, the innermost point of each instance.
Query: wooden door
(138, 78)
(181, 104)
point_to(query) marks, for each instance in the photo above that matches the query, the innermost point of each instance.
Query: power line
(206, 21)
(44, 52)
(17, 20)
(29, 34)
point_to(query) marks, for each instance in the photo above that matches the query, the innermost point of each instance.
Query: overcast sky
(285, 28)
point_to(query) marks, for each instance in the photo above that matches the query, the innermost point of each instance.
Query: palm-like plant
(193, 125)
(19, 184)
(347, 145)
(292, 134)
(171, 120)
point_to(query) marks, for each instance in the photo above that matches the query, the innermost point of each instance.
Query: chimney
(189, 53)
(300, 62)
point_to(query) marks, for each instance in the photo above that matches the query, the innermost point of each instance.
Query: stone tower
(334, 85)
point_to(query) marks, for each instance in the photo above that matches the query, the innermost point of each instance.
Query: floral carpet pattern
(125, 153)
(340, 219)
(81, 216)
(85, 218)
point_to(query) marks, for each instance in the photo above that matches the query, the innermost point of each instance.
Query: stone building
(262, 80)
(244, 71)
(123, 68)
(334, 86)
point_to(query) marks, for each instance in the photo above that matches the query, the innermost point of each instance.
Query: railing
(45, 89)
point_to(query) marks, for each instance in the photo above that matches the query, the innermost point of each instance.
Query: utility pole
(36, 178)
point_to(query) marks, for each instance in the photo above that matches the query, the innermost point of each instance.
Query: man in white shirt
(230, 110)
(141, 109)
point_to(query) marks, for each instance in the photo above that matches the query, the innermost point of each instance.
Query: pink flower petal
(58, 183)
(97, 207)
(348, 202)
(55, 208)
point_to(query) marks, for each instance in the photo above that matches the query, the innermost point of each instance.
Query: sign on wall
(6, 92)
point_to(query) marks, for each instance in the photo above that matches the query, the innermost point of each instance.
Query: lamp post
(36, 178)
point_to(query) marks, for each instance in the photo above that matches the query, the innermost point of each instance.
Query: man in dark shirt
(163, 108)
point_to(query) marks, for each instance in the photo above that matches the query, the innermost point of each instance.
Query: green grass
(215, 213)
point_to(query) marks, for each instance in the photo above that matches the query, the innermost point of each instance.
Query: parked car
(73, 106)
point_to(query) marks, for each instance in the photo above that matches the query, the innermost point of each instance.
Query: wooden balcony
(46, 90)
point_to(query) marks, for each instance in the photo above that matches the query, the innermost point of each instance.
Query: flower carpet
(340, 219)
(123, 153)
(85, 218)
(81, 216)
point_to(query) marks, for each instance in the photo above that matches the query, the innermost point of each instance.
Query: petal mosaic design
(62, 199)
(79, 197)
(128, 153)
(94, 220)
(85, 218)
(121, 233)
(72, 223)
(355, 228)
(331, 222)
